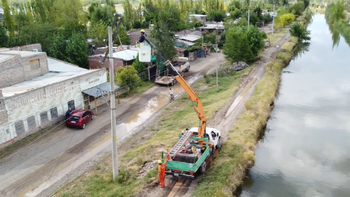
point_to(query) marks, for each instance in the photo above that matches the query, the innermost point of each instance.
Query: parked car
(79, 118)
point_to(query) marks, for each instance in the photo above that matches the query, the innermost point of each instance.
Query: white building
(36, 91)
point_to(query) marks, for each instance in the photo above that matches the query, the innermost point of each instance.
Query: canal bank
(304, 151)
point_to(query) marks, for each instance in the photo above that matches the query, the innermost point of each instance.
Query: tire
(84, 125)
(203, 167)
(92, 117)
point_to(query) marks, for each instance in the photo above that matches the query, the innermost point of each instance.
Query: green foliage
(283, 20)
(243, 43)
(336, 12)
(164, 31)
(127, 76)
(298, 8)
(3, 36)
(72, 49)
(8, 20)
(237, 46)
(216, 15)
(139, 66)
(256, 39)
(300, 32)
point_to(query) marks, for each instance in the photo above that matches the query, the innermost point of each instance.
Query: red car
(79, 118)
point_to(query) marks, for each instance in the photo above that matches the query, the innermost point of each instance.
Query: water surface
(306, 148)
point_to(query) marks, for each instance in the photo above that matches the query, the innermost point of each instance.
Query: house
(199, 17)
(36, 90)
(213, 26)
(122, 56)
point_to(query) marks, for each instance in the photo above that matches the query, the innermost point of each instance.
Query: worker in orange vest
(161, 172)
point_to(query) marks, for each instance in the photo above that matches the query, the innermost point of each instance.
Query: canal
(305, 150)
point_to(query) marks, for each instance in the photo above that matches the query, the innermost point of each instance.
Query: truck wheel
(203, 167)
(219, 145)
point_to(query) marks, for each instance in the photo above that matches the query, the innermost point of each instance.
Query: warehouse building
(36, 91)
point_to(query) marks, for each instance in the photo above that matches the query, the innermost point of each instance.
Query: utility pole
(273, 18)
(112, 104)
(217, 58)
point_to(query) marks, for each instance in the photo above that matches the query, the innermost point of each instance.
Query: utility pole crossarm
(113, 36)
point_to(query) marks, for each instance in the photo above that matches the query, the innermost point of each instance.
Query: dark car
(79, 118)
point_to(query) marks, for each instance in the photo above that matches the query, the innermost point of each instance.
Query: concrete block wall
(16, 68)
(11, 71)
(31, 72)
(30, 47)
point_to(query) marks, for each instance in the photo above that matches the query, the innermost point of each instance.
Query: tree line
(63, 27)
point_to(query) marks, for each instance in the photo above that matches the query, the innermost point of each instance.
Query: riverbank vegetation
(336, 20)
(227, 172)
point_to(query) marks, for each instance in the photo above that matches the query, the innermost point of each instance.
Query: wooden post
(95, 106)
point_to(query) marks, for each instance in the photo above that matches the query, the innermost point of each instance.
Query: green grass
(170, 123)
(277, 35)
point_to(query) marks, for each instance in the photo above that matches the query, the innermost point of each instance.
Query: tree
(300, 32)
(164, 31)
(3, 36)
(127, 76)
(216, 15)
(256, 39)
(8, 20)
(237, 46)
(139, 66)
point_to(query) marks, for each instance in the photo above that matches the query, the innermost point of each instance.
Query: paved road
(43, 165)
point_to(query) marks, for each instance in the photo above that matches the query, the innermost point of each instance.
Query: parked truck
(196, 147)
(181, 64)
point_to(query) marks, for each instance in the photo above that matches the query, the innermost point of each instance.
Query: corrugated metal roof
(191, 38)
(60, 66)
(99, 90)
(126, 55)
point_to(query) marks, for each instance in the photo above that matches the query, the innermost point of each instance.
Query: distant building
(1, 14)
(213, 26)
(36, 90)
(122, 56)
(199, 17)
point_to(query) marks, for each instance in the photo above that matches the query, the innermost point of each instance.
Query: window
(34, 64)
(71, 105)
(54, 113)
(43, 116)
(19, 126)
(31, 122)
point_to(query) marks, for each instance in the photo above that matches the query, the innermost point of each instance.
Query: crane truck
(197, 146)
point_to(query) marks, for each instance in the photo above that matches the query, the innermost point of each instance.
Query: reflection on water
(305, 151)
(335, 35)
(300, 49)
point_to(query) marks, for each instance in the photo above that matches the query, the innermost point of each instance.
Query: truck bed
(164, 80)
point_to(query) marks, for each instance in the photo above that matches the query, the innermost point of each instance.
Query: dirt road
(225, 118)
(42, 166)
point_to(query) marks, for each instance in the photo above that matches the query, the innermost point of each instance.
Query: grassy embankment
(227, 172)
(147, 145)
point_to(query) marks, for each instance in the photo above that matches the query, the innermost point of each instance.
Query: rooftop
(59, 71)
